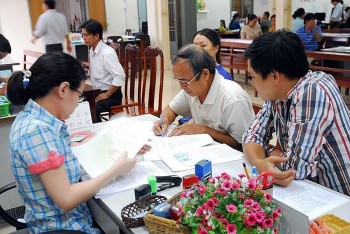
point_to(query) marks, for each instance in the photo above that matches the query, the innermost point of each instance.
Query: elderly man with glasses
(219, 107)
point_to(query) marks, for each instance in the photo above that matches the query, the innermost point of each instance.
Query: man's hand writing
(188, 129)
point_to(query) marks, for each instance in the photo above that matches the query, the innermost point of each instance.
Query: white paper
(124, 134)
(80, 118)
(185, 160)
(136, 177)
(162, 145)
(308, 198)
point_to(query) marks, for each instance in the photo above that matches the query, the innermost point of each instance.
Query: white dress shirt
(105, 67)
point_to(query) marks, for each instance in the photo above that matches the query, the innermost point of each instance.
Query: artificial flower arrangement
(227, 205)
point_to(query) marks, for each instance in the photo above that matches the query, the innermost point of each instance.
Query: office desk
(7, 65)
(91, 95)
(107, 210)
(230, 34)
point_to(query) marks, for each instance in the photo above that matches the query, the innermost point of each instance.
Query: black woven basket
(137, 207)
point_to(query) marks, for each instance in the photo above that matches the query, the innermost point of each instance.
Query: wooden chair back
(133, 73)
(133, 79)
(29, 57)
(144, 42)
(117, 48)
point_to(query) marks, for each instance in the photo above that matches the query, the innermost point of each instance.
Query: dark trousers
(335, 25)
(105, 105)
(54, 47)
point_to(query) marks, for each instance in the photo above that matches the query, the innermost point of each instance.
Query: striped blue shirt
(40, 142)
(313, 128)
(308, 38)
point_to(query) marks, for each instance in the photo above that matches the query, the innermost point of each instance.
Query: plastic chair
(152, 84)
(133, 70)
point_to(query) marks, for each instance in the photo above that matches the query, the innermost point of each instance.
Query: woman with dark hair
(298, 21)
(209, 40)
(234, 24)
(46, 171)
(252, 30)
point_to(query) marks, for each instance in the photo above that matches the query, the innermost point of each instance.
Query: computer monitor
(320, 16)
(144, 27)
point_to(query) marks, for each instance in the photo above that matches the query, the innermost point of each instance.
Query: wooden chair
(33, 55)
(120, 52)
(133, 70)
(152, 84)
(144, 42)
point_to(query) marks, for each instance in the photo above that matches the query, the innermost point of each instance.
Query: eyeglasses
(82, 97)
(185, 82)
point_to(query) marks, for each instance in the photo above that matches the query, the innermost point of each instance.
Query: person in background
(5, 49)
(336, 15)
(106, 71)
(298, 20)
(273, 23)
(346, 14)
(234, 24)
(46, 171)
(306, 111)
(209, 40)
(265, 23)
(219, 107)
(252, 30)
(310, 34)
(53, 26)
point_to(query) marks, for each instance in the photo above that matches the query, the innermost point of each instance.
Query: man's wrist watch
(269, 149)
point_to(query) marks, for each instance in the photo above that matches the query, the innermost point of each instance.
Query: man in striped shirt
(310, 34)
(304, 109)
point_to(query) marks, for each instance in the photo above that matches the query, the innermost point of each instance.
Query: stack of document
(118, 136)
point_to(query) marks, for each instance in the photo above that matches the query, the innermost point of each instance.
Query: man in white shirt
(53, 26)
(106, 71)
(219, 107)
(337, 12)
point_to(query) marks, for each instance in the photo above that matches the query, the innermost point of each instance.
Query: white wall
(260, 6)
(217, 10)
(121, 14)
(16, 27)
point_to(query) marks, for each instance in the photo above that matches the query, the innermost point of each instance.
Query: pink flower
(231, 208)
(251, 184)
(242, 176)
(211, 180)
(199, 211)
(183, 194)
(210, 204)
(251, 220)
(226, 185)
(255, 206)
(235, 186)
(216, 201)
(225, 176)
(260, 216)
(275, 215)
(202, 190)
(202, 231)
(268, 197)
(248, 202)
(268, 223)
(231, 229)
(224, 222)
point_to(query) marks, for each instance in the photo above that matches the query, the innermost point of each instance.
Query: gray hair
(197, 58)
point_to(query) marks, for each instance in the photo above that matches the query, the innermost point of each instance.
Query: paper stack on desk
(117, 136)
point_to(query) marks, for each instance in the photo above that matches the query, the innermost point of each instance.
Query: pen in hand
(161, 123)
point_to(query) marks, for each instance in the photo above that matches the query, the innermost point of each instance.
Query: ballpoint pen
(246, 171)
(254, 172)
(161, 123)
